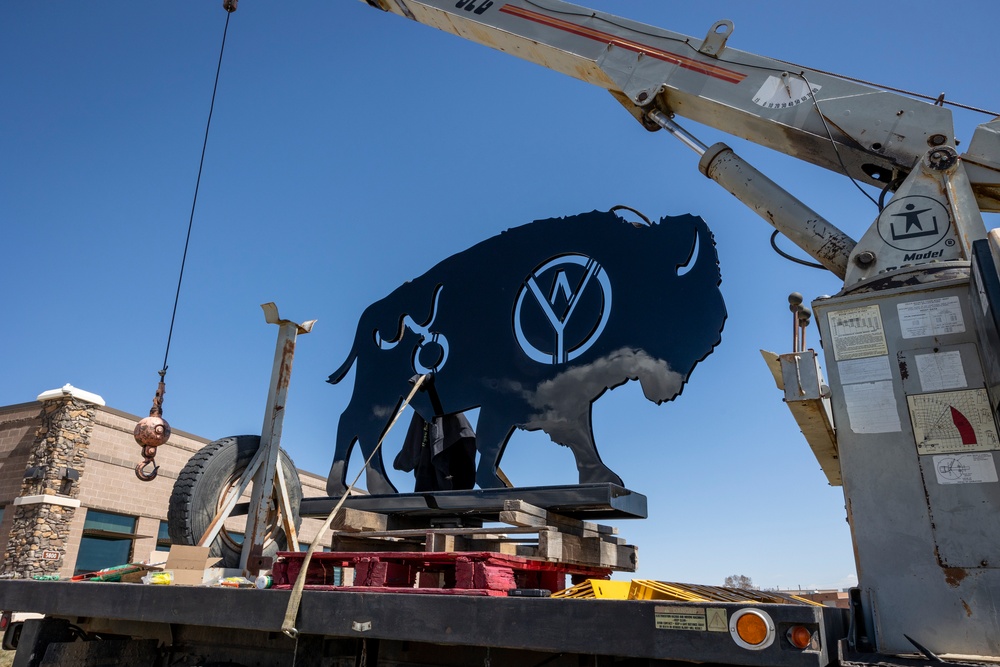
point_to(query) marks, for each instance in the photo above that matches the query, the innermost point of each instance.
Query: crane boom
(874, 136)
(871, 135)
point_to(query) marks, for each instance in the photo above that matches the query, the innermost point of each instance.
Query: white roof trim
(47, 500)
(70, 390)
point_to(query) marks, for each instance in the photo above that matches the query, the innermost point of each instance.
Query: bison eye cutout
(562, 308)
(431, 355)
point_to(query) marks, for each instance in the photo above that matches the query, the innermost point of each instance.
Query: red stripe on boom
(636, 47)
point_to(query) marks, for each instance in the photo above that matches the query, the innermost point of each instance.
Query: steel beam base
(585, 501)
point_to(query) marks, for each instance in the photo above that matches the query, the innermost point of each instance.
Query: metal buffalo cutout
(532, 326)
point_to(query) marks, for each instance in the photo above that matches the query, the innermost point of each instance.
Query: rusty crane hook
(140, 468)
(151, 432)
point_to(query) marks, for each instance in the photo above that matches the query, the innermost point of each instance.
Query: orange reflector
(799, 636)
(752, 629)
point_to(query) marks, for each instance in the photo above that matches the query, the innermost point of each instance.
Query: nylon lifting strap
(292, 611)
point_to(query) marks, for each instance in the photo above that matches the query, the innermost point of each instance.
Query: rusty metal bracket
(270, 436)
(264, 470)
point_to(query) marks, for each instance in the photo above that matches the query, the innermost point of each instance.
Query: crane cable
(153, 431)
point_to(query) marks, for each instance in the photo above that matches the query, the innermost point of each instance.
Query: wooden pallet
(449, 573)
(528, 531)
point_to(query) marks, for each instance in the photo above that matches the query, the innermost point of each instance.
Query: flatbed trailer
(176, 625)
(429, 607)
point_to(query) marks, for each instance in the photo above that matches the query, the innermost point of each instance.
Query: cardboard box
(190, 565)
(157, 558)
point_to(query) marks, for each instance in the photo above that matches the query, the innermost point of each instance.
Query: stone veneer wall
(40, 525)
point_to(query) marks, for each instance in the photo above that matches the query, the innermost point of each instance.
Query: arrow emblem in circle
(594, 277)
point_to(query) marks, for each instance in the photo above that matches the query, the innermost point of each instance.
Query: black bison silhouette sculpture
(532, 326)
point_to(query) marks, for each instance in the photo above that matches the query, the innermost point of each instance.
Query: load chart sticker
(931, 317)
(941, 371)
(857, 333)
(953, 422)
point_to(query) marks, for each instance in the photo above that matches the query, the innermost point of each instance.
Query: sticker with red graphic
(953, 422)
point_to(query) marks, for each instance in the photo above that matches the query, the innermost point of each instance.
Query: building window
(163, 537)
(107, 541)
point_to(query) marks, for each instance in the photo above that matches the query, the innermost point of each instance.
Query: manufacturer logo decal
(550, 325)
(913, 223)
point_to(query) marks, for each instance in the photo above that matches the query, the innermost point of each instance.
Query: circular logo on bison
(562, 308)
(913, 223)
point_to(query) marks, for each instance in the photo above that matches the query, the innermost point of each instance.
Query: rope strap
(292, 611)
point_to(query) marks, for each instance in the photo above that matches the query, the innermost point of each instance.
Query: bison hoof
(335, 484)
(336, 490)
(379, 485)
(489, 480)
(600, 475)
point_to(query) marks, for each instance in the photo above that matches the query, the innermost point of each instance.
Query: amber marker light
(752, 629)
(799, 636)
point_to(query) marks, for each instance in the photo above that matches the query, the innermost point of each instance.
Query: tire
(205, 480)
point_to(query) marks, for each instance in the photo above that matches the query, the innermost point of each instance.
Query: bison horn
(692, 257)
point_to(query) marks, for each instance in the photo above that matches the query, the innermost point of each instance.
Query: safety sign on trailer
(680, 618)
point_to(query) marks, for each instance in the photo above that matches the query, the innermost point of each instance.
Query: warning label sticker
(716, 619)
(680, 618)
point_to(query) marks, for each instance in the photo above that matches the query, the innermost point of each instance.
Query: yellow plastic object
(164, 578)
(803, 600)
(596, 588)
(610, 589)
(645, 589)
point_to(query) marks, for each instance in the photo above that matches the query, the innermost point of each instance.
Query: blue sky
(350, 151)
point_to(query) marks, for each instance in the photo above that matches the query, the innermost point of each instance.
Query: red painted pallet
(442, 572)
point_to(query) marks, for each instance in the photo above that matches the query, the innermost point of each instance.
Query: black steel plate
(588, 501)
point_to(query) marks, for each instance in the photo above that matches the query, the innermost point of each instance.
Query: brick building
(70, 501)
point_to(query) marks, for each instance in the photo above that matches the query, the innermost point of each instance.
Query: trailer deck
(475, 606)
(336, 627)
